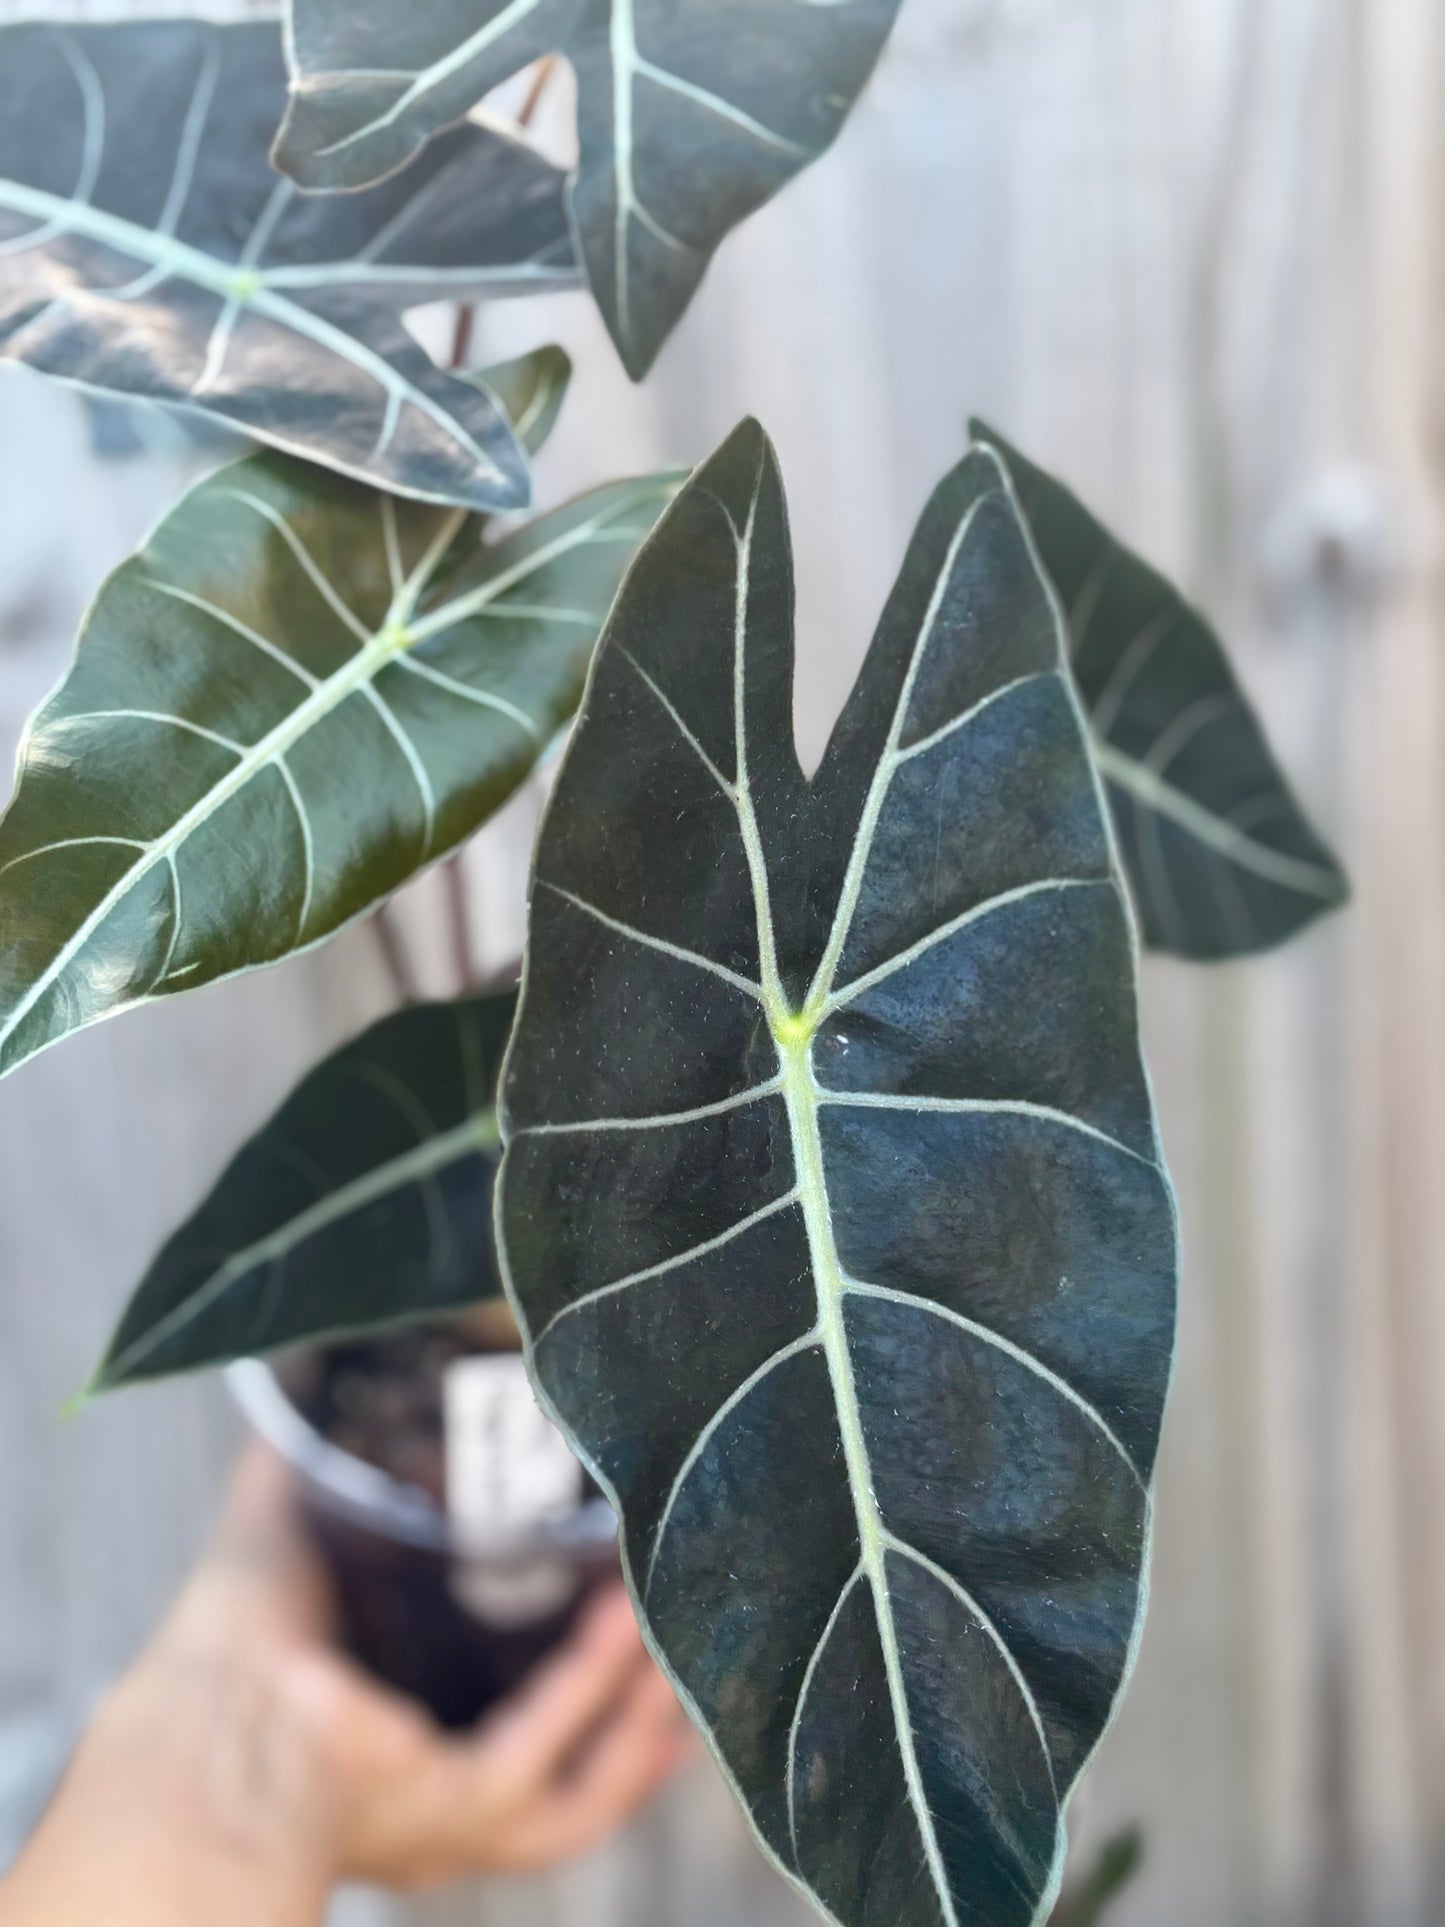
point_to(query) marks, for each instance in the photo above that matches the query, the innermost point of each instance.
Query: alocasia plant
(690, 114)
(832, 1204)
(833, 1104)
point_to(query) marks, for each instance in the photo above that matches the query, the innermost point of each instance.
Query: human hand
(243, 1755)
(554, 1770)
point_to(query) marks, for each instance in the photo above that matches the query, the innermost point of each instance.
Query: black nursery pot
(454, 1625)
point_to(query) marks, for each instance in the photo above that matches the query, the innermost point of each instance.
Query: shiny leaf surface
(299, 693)
(690, 115)
(832, 1202)
(1221, 858)
(147, 247)
(365, 1201)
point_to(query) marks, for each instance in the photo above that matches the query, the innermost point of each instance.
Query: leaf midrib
(801, 1101)
(271, 749)
(793, 1036)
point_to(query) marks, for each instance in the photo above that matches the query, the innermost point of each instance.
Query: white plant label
(508, 1468)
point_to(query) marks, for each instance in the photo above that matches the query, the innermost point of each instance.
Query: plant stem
(466, 310)
(454, 877)
(459, 920)
(462, 335)
(545, 70)
(392, 946)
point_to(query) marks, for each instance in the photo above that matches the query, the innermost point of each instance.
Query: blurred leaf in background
(1221, 858)
(690, 115)
(147, 247)
(366, 1201)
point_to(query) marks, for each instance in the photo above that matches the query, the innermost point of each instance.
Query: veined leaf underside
(745, 98)
(145, 247)
(766, 1195)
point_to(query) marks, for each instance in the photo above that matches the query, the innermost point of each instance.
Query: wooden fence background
(1189, 253)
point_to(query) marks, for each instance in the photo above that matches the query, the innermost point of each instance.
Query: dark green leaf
(690, 114)
(365, 1201)
(280, 710)
(531, 391)
(147, 247)
(832, 1200)
(1220, 855)
(1117, 1864)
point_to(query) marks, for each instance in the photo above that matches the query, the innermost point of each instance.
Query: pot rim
(391, 1509)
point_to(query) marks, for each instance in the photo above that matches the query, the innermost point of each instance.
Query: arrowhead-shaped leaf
(690, 114)
(281, 709)
(1221, 857)
(832, 1200)
(365, 1201)
(147, 247)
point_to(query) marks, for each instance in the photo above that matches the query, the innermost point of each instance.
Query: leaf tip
(749, 442)
(984, 438)
(637, 356)
(82, 1400)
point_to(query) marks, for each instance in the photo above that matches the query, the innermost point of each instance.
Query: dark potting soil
(381, 1400)
(402, 1610)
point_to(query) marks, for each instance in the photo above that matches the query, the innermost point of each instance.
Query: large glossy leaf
(832, 1200)
(147, 247)
(365, 1201)
(691, 114)
(281, 709)
(1221, 857)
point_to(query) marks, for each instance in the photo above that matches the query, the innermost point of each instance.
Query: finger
(445, 1807)
(528, 1740)
(628, 1760)
(457, 1807)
